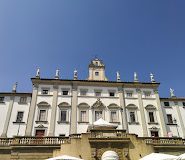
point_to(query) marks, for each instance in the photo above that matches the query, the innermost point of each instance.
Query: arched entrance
(110, 155)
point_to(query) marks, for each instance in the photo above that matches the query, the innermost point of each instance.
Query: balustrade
(33, 141)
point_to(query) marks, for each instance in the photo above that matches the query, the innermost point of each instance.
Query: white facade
(59, 107)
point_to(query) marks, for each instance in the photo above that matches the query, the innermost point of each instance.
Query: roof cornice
(94, 83)
(15, 94)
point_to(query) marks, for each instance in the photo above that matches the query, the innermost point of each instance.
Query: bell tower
(97, 70)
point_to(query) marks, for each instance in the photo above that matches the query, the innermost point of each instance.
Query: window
(112, 94)
(151, 117)
(129, 94)
(83, 92)
(96, 73)
(113, 116)
(167, 104)
(19, 116)
(40, 133)
(98, 93)
(147, 94)
(45, 91)
(23, 99)
(62, 135)
(65, 92)
(183, 103)
(98, 115)
(132, 117)
(154, 134)
(63, 115)
(42, 115)
(169, 119)
(1, 99)
(83, 116)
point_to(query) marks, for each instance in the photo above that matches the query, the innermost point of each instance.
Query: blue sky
(128, 35)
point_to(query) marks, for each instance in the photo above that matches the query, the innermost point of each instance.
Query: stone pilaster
(180, 120)
(10, 107)
(123, 109)
(142, 112)
(161, 113)
(73, 129)
(53, 111)
(31, 114)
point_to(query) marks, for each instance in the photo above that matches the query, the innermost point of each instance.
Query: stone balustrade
(165, 141)
(33, 141)
(108, 134)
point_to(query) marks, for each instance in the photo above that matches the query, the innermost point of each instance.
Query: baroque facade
(60, 107)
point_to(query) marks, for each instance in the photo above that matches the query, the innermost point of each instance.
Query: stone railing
(6, 141)
(165, 141)
(33, 141)
(108, 134)
(75, 136)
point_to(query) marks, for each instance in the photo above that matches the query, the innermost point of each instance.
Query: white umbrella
(159, 156)
(181, 157)
(64, 157)
(102, 123)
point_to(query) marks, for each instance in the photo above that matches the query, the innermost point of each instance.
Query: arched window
(132, 114)
(83, 113)
(64, 112)
(151, 110)
(42, 112)
(114, 112)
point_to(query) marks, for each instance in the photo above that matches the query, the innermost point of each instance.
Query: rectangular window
(1, 99)
(112, 94)
(63, 116)
(19, 116)
(151, 117)
(147, 94)
(98, 115)
(45, 91)
(83, 92)
(83, 115)
(65, 92)
(183, 103)
(154, 134)
(96, 73)
(113, 116)
(42, 115)
(129, 94)
(23, 99)
(98, 94)
(132, 117)
(169, 119)
(167, 104)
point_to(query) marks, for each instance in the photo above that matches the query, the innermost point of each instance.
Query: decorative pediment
(150, 107)
(40, 126)
(64, 104)
(113, 105)
(43, 104)
(83, 105)
(131, 106)
(154, 128)
(98, 104)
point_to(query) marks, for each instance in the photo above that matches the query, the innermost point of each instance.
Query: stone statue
(118, 76)
(152, 77)
(75, 74)
(172, 92)
(14, 88)
(57, 74)
(38, 73)
(135, 77)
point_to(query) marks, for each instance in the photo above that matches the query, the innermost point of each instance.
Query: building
(61, 107)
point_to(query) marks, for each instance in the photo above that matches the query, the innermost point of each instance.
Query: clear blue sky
(128, 35)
